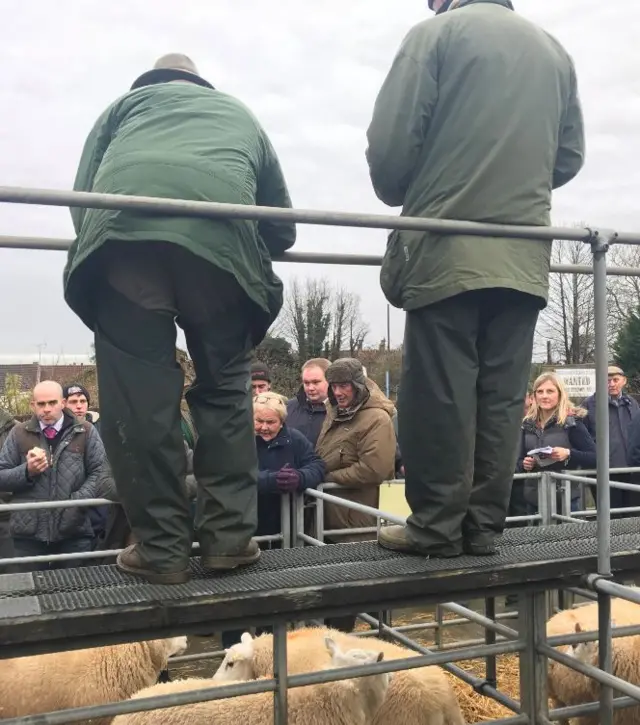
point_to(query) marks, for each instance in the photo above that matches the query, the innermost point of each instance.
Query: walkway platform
(73, 608)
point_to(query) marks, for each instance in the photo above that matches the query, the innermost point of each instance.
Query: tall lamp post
(388, 375)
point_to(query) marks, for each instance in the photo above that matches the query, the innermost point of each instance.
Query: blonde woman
(287, 464)
(553, 422)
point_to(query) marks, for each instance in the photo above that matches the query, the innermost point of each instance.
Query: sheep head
(373, 688)
(237, 664)
(352, 657)
(585, 651)
(176, 646)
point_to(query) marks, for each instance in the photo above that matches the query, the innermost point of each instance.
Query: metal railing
(532, 646)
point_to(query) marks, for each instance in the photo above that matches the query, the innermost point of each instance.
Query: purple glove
(288, 479)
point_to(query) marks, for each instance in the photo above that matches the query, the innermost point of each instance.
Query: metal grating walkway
(99, 604)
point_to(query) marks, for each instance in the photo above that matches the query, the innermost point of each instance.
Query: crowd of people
(339, 428)
(558, 435)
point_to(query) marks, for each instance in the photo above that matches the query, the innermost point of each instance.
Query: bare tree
(322, 321)
(623, 291)
(306, 317)
(567, 323)
(348, 329)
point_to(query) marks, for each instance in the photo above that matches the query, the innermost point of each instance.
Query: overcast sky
(310, 71)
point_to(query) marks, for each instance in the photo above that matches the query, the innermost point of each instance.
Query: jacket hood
(575, 414)
(7, 421)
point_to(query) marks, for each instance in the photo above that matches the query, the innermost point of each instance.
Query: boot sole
(154, 577)
(400, 547)
(403, 548)
(228, 563)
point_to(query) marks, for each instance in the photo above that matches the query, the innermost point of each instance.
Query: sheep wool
(62, 680)
(568, 687)
(422, 696)
(346, 702)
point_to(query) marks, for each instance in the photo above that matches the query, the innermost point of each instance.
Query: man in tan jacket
(357, 444)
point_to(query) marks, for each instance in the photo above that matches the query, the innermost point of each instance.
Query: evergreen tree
(626, 348)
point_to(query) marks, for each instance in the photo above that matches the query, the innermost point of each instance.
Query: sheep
(237, 664)
(568, 687)
(345, 702)
(421, 696)
(62, 680)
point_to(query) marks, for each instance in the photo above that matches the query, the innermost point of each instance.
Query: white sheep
(237, 664)
(345, 702)
(421, 696)
(568, 687)
(62, 680)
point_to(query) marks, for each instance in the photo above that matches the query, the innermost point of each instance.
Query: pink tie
(49, 432)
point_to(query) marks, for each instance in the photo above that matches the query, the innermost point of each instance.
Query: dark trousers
(145, 288)
(32, 547)
(466, 364)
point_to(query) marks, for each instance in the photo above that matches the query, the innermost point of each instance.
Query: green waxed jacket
(478, 119)
(183, 141)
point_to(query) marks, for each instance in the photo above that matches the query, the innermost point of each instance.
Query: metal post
(491, 670)
(599, 248)
(280, 705)
(547, 507)
(319, 519)
(285, 520)
(437, 635)
(533, 665)
(298, 519)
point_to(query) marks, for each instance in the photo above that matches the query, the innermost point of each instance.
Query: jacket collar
(504, 3)
(530, 425)
(306, 403)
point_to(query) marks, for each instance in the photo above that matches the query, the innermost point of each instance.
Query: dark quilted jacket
(72, 475)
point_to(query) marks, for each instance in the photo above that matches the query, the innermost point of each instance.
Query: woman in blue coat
(287, 461)
(552, 422)
(287, 464)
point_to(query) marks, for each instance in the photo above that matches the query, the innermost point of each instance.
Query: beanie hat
(260, 371)
(76, 389)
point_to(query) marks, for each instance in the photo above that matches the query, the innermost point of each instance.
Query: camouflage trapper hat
(348, 370)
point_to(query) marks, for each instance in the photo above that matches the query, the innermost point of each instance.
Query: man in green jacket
(478, 119)
(132, 275)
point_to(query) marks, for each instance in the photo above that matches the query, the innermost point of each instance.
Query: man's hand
(37, 462)
(528, 463)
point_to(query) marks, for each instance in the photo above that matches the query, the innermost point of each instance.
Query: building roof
(31, 373)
